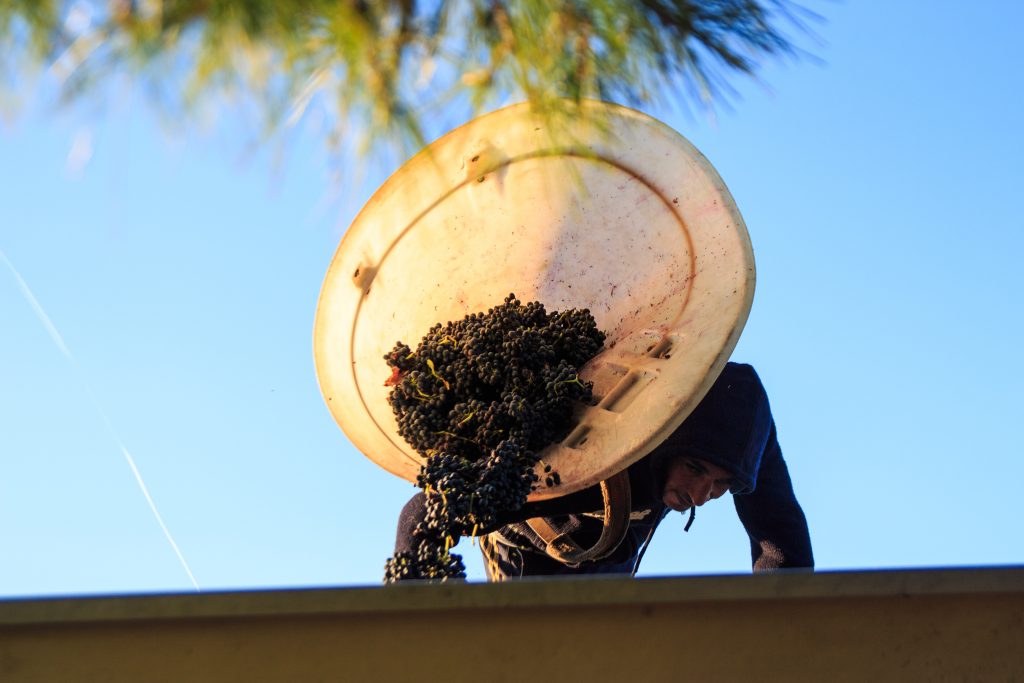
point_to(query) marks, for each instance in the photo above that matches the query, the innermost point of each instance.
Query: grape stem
(430, 364)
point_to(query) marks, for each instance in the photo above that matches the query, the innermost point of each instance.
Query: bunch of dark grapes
(478, 399)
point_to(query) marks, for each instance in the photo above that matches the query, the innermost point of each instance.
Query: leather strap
(615, 492)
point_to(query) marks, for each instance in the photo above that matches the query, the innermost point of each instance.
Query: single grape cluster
(478, 399)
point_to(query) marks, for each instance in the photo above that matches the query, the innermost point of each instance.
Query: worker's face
(692, 481)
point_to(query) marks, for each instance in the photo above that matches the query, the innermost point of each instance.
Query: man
(728, 443)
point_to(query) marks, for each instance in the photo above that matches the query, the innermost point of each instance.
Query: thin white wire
(34, 303)
(59, 341)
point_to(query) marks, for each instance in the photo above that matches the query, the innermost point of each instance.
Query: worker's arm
(415, 511)
(772, 516)
(412, 513)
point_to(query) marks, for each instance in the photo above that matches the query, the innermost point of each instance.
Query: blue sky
(180, 266)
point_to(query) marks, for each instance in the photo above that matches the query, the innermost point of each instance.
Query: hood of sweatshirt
(729, 428)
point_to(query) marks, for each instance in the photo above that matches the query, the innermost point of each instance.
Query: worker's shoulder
(739, 375)
(733, 367)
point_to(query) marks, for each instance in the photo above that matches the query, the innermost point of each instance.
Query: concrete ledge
(963, 624)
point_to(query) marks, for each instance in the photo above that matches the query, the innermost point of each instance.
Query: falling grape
(478, 399)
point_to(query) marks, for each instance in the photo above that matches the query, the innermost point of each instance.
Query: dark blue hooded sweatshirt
(732, 427)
